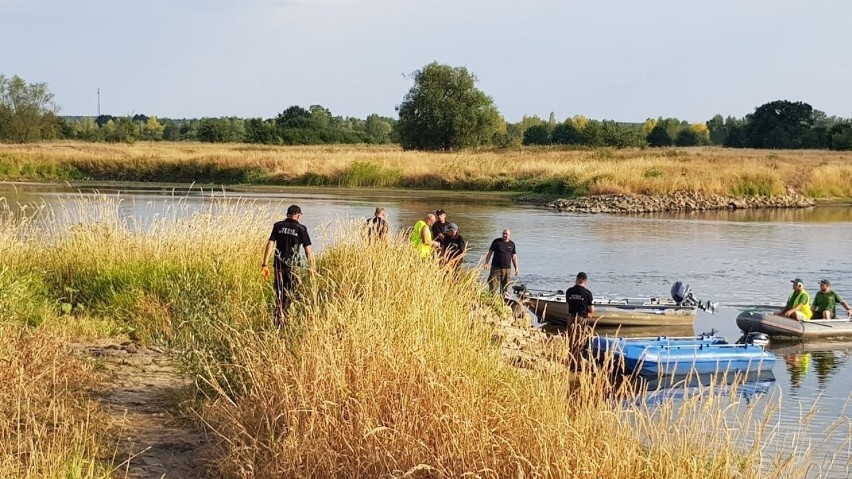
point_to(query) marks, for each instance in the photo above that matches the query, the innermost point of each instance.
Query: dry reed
(819, 174)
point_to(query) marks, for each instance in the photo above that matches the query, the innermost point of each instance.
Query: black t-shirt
(503, 251)
(453, 247)
(579, 299)
(438, 229)
(288, 236)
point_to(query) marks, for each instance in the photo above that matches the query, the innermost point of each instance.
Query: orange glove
(264, 271)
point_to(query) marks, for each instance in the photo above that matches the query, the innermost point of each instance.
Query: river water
(729, 257)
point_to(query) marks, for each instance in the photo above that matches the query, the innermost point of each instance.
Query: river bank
(737, 173)
(675, 202)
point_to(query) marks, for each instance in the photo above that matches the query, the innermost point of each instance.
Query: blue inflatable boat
(699, 354)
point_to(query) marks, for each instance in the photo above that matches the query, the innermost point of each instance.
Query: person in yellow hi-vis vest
(421, 235)
(799, 303)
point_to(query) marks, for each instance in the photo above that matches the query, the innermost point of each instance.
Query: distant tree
(260, 131)
(378, 129)
(445, 111)
(537, 135)
(649, 125)
(580, 121)
(593, 134)
(687, 137)
(213, 130)
(120, 130)
(717, 133)
(27, 111)
(736, 134)
(102, 120)
(566, 134)
(152, 130)
(779, 124)
(293, 117)
(621, 135)
(702, 131)
(659, 137)
(841, 136)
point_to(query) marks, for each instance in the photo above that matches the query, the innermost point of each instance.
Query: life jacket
(417, 239)
(806, 307)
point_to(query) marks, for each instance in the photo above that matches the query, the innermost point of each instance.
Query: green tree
(687, 137)
(717, 132)
(537, 135)
(779, 124)
(377, 129)
(27, 111)
(659, 137)
(566, 134)
(152, 129)
(445, 111)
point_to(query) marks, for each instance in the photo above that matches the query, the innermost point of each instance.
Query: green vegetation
(445, 111)
(442, 111)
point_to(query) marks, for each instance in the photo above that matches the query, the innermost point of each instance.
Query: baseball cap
(452, 227)
(581, 275)
(439, 212)
(825, 282)
(294, 210)
(797, 280)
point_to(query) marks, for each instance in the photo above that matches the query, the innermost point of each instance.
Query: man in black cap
(826, 300)
(285, 240)
(579, 299)
(453, 246)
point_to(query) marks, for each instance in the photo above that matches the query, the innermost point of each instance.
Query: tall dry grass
(388, 368)
(819, 174)
(49, 428)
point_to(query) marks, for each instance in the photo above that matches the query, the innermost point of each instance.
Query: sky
(623, 60)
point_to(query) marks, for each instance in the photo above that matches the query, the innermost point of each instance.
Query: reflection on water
(747, 386)
(822, 214)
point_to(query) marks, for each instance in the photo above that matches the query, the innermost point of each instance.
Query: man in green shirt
(826, 300)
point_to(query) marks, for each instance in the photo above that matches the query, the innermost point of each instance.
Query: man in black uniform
(286, 238)
(453, 246)
(440, 225)
(579, 299)
(505, 256)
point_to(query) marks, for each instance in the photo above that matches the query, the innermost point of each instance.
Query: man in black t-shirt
(505, 255)
(453, 246)
(439, 226)
(285, 240)
(579, 299)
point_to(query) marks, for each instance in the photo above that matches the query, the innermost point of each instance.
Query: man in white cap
(798, 304)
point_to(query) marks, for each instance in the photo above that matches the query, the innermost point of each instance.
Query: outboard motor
(754, 337)
(520, 290)
(682, 295)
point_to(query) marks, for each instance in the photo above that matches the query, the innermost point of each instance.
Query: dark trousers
(283, 282)
(498, 279)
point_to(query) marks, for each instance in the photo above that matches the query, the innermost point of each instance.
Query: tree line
(443, 110)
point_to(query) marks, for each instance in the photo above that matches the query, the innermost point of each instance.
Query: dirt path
(142, 397)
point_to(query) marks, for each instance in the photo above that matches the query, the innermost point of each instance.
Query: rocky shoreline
(676, 202)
